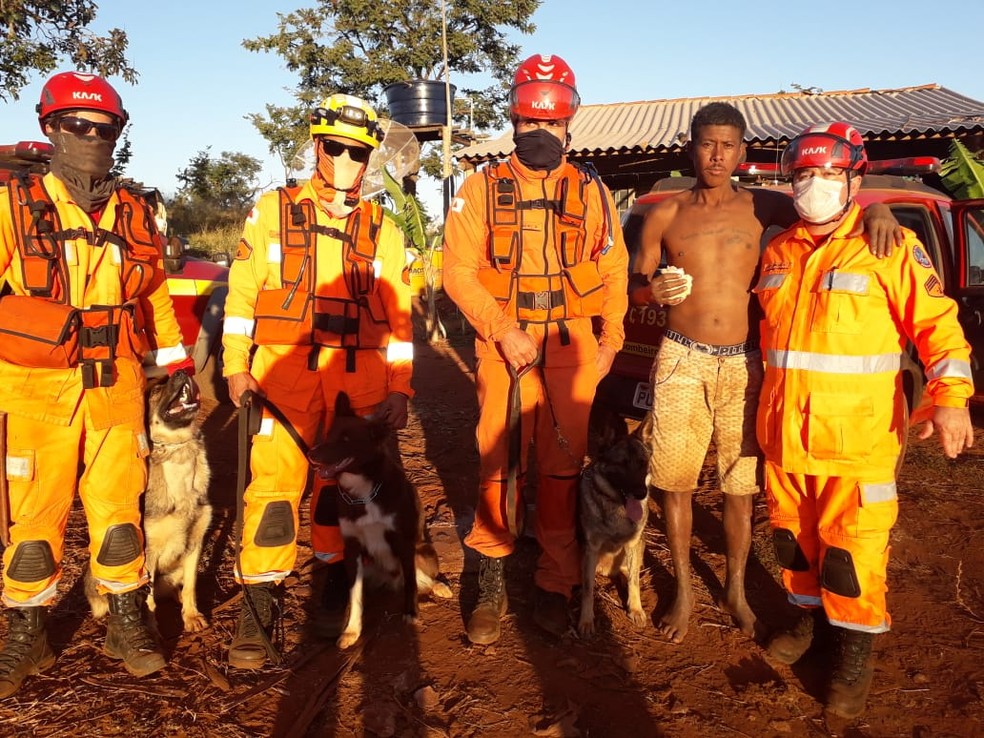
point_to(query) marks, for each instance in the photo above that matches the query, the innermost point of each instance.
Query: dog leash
(515, 417)
(251, 407)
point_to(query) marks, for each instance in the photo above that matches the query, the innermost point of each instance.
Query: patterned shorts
(699, 398)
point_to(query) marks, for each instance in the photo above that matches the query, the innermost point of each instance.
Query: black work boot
(551, 612)
(329, 621)
(852, 674)
(788, 646)
(128, 637)
(483, 625)
(248, 649)
(26, 650)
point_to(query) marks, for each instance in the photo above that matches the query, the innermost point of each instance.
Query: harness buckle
(541, 300)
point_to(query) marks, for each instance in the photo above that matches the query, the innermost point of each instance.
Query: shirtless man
(708, 371)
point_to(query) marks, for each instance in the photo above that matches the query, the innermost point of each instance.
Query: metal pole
(446, 132)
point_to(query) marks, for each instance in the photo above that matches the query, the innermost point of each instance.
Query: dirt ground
(428, 681)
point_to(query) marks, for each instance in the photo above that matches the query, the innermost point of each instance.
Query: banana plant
(408, 214)
(962, 173)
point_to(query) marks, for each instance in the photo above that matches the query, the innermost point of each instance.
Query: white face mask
(818, 200)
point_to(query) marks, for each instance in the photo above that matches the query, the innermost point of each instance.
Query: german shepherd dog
(176, 511)
(379, 515)
(612, 511)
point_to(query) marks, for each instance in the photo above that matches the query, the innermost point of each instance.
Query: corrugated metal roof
(663, 125)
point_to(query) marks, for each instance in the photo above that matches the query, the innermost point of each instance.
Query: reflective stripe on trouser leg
(855, 521)
(110, 488)
(326, 536)
(793, 515)
(279, 473)
(561, 443)
(490, 534)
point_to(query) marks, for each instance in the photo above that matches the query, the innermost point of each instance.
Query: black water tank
(419, 102)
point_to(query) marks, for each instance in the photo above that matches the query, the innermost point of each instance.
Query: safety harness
(43, 328)
(575, 291)
(294, 315)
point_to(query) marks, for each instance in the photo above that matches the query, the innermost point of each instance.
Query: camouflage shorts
(699, 398)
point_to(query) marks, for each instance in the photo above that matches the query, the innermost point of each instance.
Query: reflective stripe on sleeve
(238, 326)
(771, 281)
(169, 355)
(273, 253)
(399, 351)
(950, 368)
(834, 363)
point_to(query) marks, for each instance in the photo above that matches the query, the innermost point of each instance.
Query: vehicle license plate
(643, 396)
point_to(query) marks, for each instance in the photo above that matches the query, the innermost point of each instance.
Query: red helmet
(826, 145)
(78, 91)
(544, 89)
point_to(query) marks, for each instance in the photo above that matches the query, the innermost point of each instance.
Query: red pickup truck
(952, 231)
(198, 287)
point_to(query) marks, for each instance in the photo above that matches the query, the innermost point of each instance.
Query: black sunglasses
(81, 127)
(360, 154)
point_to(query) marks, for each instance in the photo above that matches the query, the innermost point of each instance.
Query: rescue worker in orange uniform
(316, 288)
(832, 418)
(533, 251)
(85, 298)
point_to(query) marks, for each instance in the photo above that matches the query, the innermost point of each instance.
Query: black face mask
(82, 163)
(539, 149)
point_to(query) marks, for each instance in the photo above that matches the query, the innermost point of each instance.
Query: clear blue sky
(197, 82)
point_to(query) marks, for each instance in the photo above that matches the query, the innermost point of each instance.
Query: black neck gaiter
(83, 164)
(539, 150)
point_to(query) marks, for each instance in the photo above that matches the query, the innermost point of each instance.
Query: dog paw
(440, 589)
(586, 627)
(410, 619)
(348, 639)
(194, 622)
(637, 618)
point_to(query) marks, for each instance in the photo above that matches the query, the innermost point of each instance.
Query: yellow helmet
(347, 116)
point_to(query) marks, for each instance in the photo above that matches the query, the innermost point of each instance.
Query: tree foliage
(360, 46)
(214, 193)
(39, 34)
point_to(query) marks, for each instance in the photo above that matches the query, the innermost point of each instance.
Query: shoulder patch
(253, 216)
(457, 204)
(933, 287)
(243, 251)
(919, 255)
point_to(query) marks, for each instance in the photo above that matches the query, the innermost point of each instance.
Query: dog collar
(360, 500)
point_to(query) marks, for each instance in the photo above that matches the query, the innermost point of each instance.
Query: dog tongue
(633, 508)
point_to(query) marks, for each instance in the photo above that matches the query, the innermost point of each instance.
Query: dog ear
(343, 406)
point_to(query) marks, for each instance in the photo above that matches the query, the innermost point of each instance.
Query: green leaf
(962, 173)
(407, 214)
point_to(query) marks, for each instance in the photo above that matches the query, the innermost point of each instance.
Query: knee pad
(838, 574)
(31, 562)
(788, 552)
(326, 511)
(276, 526)
(120, 546)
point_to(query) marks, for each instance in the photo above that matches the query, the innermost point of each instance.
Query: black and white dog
(379, 515)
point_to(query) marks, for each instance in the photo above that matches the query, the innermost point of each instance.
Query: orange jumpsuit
(54, 423)
(535, 293)
(832, 414)
(304, 380)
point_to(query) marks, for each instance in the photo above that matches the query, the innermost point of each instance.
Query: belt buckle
(541, 300)
(704, 347)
